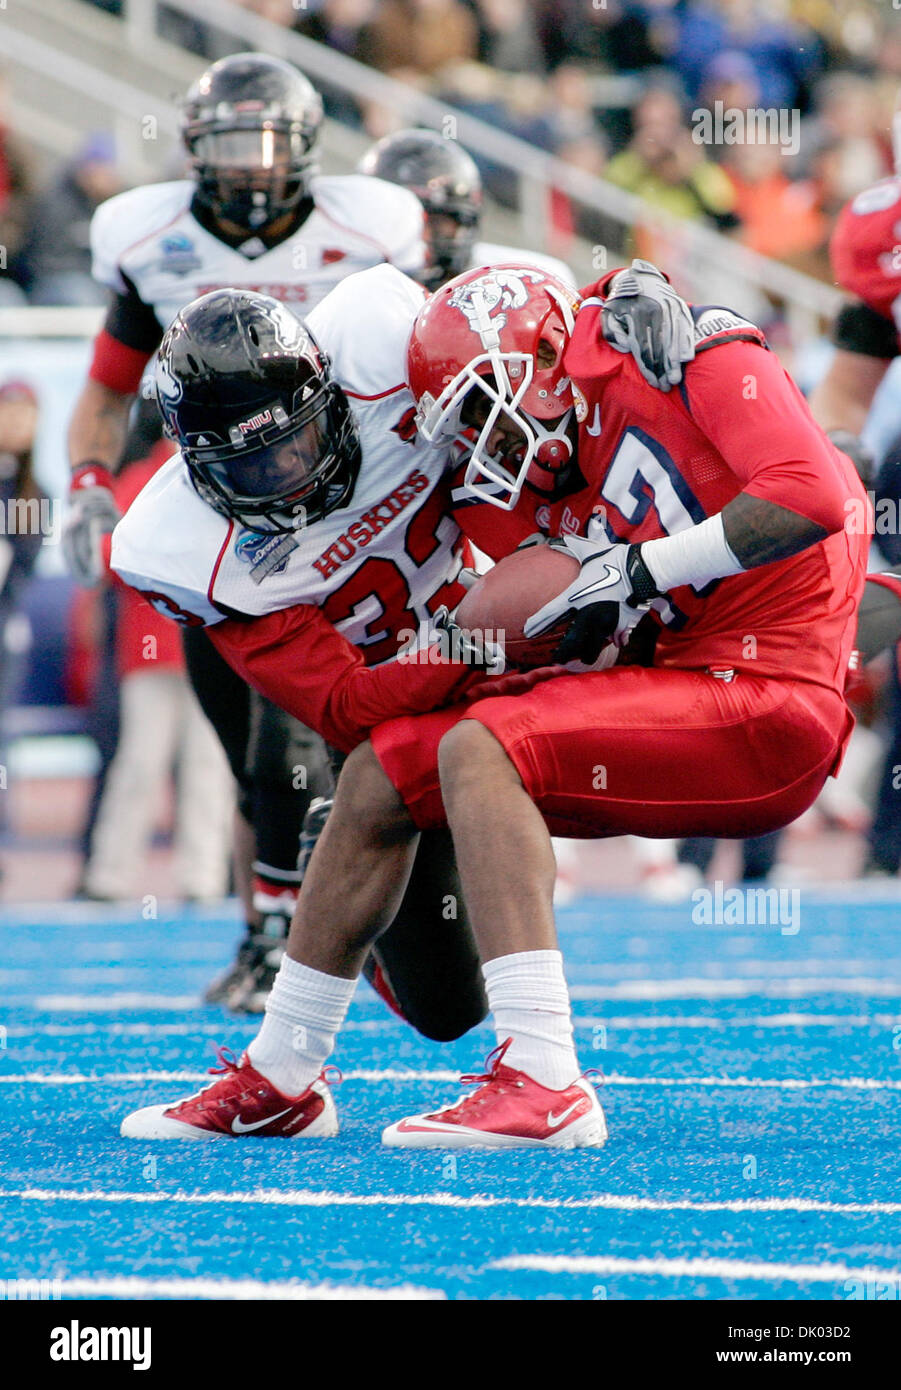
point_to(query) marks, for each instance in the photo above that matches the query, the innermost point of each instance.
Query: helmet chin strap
(554, 448)
(553, 453)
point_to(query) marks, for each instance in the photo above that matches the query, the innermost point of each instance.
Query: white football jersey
(488, 253)
(371, 566)
(150, 235)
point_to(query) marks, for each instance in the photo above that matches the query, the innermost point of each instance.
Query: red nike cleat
(508, 1111)
(240, 1102)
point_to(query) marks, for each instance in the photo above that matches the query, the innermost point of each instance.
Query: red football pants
(638, 751)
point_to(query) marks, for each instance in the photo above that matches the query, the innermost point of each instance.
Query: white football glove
(607, 599)
(644, 316)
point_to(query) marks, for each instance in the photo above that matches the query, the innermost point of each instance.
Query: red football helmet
(500, 331)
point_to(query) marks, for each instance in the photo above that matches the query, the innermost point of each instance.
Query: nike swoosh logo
(612, 576)
(595, 426)
(239, 1127)
(555, 1120)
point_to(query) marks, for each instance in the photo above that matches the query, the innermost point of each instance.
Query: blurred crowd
(46, 254)
(609, 86)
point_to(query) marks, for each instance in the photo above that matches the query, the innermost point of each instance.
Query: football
(499, 603)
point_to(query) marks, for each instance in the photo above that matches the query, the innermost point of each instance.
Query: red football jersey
(656, 464)
(865, 249)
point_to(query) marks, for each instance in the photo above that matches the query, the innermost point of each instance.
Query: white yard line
(694, 1268)
(110, 1003)
(397, 1074)
(620, 1022)
(692, 987)
(797, 987)
(603, 1202)
(257, 1289)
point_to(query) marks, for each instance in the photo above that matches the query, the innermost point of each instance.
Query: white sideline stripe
(790, 1083)
(683, 1268)
(605, 1202)
(620, 1022)
(296, 1291)
(699, 988)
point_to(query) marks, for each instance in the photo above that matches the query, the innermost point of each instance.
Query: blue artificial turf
(705, 1190)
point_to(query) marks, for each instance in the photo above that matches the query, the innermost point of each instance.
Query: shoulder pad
(168, 544)
(364, 325)
(716, 325)
(129, 217)
(389, 216)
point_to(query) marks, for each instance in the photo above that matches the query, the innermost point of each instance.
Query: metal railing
(46, 321)
(703, 256)
(706, 264)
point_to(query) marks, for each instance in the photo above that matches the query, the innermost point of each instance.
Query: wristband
(643, 587)
(695, 556)
(91, 473)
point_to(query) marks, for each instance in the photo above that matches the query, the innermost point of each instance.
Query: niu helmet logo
(255, 422)
(490, 296)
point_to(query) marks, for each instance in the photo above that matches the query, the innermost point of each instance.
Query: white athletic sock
(528, 996)
(303, 1013)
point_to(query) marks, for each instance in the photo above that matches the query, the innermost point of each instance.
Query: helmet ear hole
(253, 334)
(546, 355)
(193, 363)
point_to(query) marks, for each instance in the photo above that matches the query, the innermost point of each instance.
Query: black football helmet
(268, 437)
(446, 182)
(250, 125)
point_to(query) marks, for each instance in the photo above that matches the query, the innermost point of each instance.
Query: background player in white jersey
(447, 183)
(255, 213)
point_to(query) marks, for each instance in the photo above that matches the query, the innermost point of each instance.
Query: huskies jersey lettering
(148, 238)
(655, 465)
(376, 568)
(864, 252)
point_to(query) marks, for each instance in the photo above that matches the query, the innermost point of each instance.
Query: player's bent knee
(454, 1023)
(445, 1015)
(366, 797)
(467, 752)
